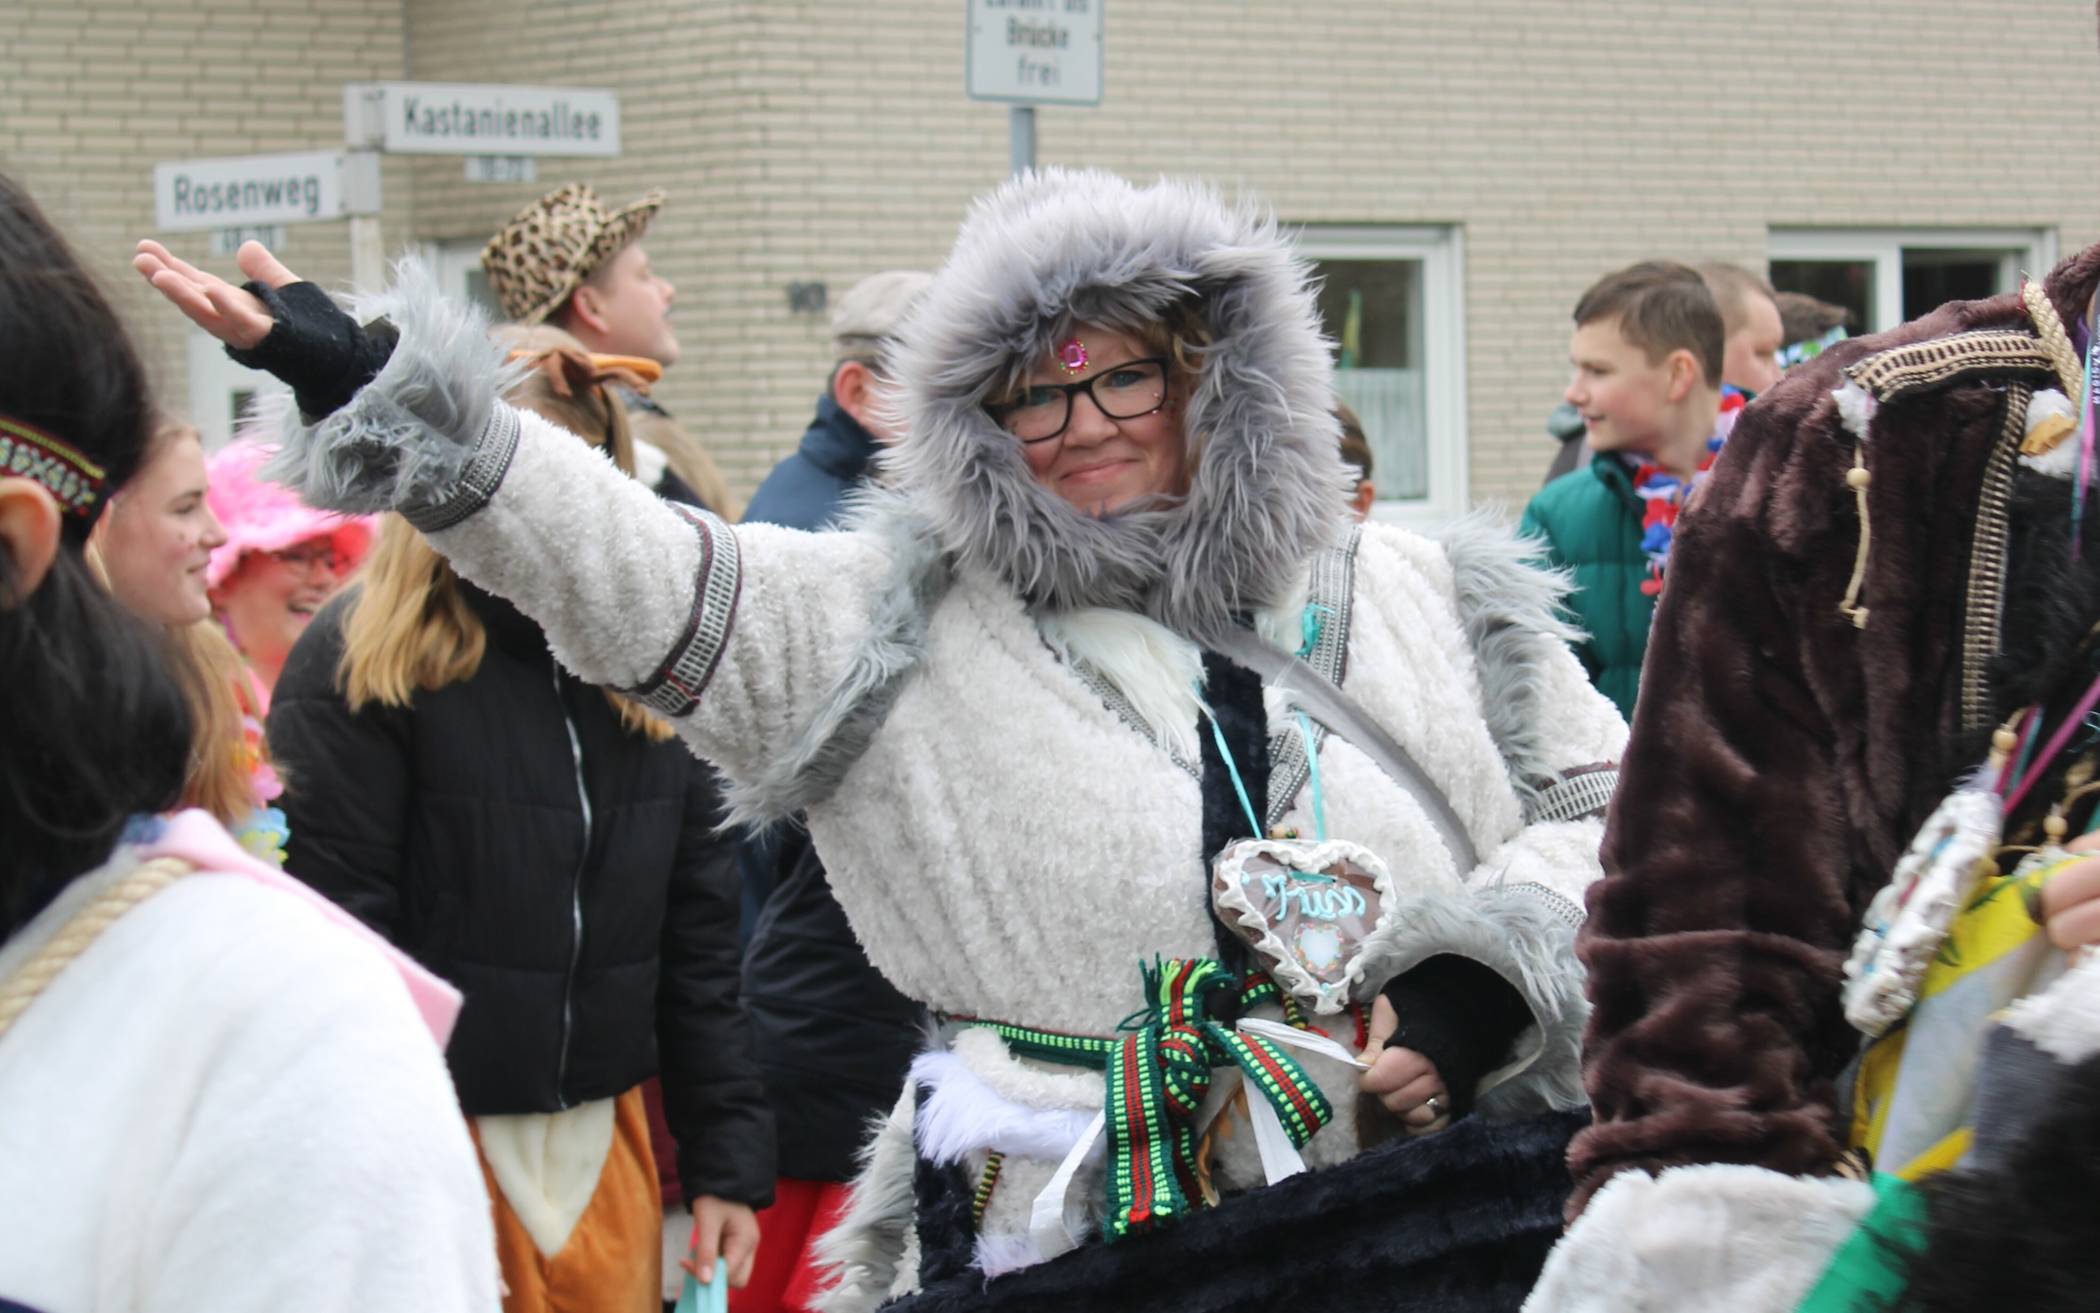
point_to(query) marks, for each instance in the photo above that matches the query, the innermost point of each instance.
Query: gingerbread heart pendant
(1306, 909)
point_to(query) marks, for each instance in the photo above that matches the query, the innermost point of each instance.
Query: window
(1888, 276)
(1391, 299)
(223, 395)
(457, 262)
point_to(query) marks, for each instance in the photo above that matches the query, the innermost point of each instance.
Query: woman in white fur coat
(1003, 703)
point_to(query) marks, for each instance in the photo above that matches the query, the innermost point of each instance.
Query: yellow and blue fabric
(1916, 1085)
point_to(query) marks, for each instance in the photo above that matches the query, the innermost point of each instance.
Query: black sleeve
(714, 1093)
(1461, 1015)
(347, 780)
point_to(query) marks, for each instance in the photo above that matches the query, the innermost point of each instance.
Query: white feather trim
(1158, 671)
(960, 1115)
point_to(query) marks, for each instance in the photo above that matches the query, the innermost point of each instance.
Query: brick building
(1460, 168)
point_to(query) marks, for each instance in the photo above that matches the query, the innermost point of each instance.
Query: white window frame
(451, 260)
(1441, 251)
(2028, 250)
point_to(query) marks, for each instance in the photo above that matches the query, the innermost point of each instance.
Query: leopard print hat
(537, 259)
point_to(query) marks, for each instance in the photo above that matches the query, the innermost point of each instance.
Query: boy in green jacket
(1647, 352)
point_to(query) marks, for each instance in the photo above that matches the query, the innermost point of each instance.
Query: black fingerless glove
(1461, 1015)
(314, 346)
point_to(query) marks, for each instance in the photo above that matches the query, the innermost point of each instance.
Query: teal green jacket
(1590, 522)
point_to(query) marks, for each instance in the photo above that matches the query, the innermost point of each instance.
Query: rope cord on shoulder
(22, 988)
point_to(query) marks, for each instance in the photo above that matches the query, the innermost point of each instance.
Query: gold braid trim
(1901, 370)
(22, 988)
(2055, 340)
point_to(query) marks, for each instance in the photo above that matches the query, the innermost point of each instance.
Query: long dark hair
(93, 724)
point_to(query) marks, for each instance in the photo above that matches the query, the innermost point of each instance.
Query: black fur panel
(1458, 1222)
(1234, 695)
(942, 1199)
(2020, 1238)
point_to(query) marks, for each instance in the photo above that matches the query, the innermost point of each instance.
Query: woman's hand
(229, 313)
(1403, 1080)
(2071, 899)
(723, 1228)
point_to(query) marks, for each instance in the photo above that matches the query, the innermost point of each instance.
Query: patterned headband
(30, 453)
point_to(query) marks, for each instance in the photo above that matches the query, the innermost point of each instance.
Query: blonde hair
(411, 628)
(215, 683)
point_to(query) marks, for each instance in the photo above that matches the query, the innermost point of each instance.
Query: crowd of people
(1055, 846)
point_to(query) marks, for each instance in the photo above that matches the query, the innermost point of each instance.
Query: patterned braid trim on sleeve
(674, 690)
(1563, 908)
(1578, 794)
(478, 480)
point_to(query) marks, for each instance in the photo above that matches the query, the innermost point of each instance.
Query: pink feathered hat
(261, 516)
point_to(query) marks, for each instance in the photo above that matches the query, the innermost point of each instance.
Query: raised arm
(736, 637)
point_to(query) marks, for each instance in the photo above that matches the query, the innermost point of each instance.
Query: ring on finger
(1435, 1106)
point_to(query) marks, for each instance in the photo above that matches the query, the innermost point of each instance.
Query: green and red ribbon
(1158, 1073)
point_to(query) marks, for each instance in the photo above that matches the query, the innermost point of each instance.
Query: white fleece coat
(1008, 838)
(1007, 846)
(226, 1103)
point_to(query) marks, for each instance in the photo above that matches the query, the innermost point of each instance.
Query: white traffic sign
(249, 190)
(1034, 52)
(459, 118)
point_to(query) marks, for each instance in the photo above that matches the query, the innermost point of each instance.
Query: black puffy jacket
(561, 871)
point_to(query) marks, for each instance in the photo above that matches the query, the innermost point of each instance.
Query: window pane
(1849, 283)
(1373, 310)
(1931, 278)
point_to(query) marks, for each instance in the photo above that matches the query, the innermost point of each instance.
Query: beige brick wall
(814, 142)
(97, 92)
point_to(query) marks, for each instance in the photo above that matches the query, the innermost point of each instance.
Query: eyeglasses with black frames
(1044, 411)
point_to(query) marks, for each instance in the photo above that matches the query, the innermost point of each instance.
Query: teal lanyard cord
(1312, 769)
(1232, 767)
(1309, 626)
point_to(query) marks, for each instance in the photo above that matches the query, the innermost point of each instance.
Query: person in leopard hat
(569, 261)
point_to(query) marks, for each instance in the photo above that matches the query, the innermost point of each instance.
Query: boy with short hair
(1753, 331)
(1647, 352)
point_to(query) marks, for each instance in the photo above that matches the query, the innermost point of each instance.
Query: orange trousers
(613, 1261)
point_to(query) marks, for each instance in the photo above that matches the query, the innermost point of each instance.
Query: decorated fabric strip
(30, 453)
(1157, 1076)
(674, 690)
(1577, 795)
(480, 478)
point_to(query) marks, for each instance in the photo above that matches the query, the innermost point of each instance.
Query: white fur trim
(1856, 407)
(1720, 1237)
(999, 1254)
(2064, 1019)
(960, 1115)
(547, 1165)
(1157, 671)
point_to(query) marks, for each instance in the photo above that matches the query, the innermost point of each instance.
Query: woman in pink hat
(280, 561)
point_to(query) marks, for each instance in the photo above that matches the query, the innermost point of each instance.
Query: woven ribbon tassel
(1157, 1079)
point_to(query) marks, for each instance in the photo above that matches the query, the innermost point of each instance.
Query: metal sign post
(1027, 53)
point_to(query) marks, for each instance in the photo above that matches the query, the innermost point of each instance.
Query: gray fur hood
(1055, 248)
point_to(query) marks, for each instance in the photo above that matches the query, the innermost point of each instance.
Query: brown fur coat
(1781, 757)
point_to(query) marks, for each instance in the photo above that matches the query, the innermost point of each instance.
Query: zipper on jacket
(568, 989)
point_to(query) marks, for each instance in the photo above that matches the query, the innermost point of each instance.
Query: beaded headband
(30, 453)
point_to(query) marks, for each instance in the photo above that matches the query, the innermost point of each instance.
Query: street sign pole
(1020, 132)
(1029, 55)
